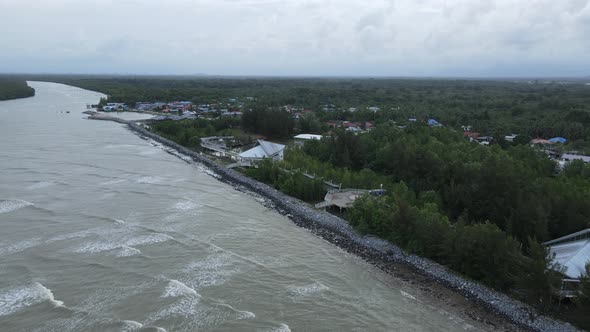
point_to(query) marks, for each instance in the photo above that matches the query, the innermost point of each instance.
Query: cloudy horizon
(488, 38)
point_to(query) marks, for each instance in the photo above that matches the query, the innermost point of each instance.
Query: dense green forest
(189, 132)
(13, 88)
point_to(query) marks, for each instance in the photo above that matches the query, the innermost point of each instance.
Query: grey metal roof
(573, 256)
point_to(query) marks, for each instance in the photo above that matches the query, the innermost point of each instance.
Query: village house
(510, 138)
(114, 107)
(263, 150)
(302, 138)
(434, 123)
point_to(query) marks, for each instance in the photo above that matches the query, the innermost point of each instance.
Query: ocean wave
(130, 325)
(185, 307)
(16, 299)
(95, 247)
(211, 271)
(148, 152)
(176, 288)
(308, 290)
(241, 314)
(149, 179)
(12, 205)
(280, 328)
(116, 146)
(406, 295)
(126, 251)
(111, 182)
(8, 249)
(148, 239)
(41, 184)
(121, 250)
(195, 314)
(186, 205)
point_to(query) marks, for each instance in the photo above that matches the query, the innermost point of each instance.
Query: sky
(465, 38)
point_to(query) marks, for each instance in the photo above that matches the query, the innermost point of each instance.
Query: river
(101, 230)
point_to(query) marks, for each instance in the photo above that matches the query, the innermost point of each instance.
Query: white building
(308, 137)
(567, 157)
(263, 150)
(572, 252)
(510, 138)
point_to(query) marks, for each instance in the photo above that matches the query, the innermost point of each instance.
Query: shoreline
(385, 256)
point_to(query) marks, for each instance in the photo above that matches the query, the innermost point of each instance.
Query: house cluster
(476, 137)
(545, 142)
(114, 107)
(330, 108)
(180, 110)
(355, 127)
(165, 107)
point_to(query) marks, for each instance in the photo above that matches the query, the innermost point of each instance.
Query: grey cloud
(304, 37)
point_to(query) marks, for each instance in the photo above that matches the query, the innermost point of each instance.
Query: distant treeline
(527, 108)
(14, 88)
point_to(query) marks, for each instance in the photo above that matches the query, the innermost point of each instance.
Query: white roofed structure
(308, 137)
(572, 252)
(264, 149)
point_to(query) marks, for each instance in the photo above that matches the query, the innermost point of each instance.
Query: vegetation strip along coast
(14, 88)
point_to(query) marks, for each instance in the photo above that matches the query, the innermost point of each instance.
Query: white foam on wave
(280, 328)
(185, 307)
(406, 295)
(186, 205)
(197, 314)
(212, 271)
(79, 234)
(130, 325)
(126, 251)
(308, 290)
(211, 173)
(8, 249)
(19, 298)
(148, 179)
(123, 249)
(94, 247)
(176, 288)
(241, 314)
(148, 239)
(12, 205)
(111, 182)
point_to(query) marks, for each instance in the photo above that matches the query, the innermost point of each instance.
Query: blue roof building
(558, 140)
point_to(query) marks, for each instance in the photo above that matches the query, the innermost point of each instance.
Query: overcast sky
(297, 37)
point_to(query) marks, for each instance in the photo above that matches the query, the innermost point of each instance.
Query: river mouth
(102, 230)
